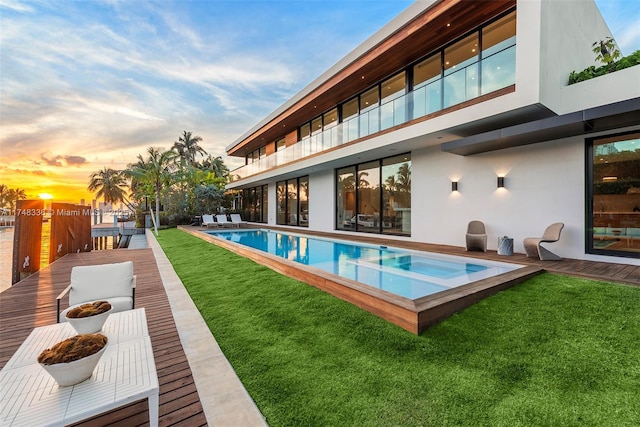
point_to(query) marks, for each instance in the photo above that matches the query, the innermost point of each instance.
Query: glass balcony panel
(386, 115)
(460, 84)
(499, 70)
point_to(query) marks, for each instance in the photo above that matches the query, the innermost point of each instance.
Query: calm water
(410, 274)
(6, 254)
(6, 250)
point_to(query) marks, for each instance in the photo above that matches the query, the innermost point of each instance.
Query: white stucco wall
(544, 183)
(322, 201)
(568, 29)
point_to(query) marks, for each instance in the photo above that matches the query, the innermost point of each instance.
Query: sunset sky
(88, 84)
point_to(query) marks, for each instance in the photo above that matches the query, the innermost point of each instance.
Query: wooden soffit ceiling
(442, 23)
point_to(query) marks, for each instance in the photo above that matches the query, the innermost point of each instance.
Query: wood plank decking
(32, 303)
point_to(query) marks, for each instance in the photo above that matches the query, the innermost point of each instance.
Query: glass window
(330, 118)
(281, 214)
(305, 131)
(303, 201)
(499, 35)
(461, 71)
(369, 99)
(368, 183)
(263, 152)
(393, 87)
(396, 195)
(349, 109)
(614, 226)
(427, 71)
(265, 204)
(316, 125)
(280, 144)
(346, 198)
(292, 202)
(499, 54)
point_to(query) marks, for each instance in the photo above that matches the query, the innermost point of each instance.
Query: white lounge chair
(222, 220)
(208, 221)
(533, 248)
(114, 283)
(236, 219)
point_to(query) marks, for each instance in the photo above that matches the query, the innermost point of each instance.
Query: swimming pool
(408, 274)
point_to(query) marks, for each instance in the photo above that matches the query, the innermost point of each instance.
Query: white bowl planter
(68, 374)
(89, 324)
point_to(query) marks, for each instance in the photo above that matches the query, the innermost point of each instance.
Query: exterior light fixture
(454, 186)
(501, 182)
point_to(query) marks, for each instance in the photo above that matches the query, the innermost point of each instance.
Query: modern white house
(458, 111)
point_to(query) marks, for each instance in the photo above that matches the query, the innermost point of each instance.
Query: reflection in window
(368, 184)
(346, 198)
(615, 189)
(396, 195)
(498, 65)
(254, 204)
(303, 202)
(281, 196)
(461, 71)
(426, 83)
(293, 202)
(375, 197)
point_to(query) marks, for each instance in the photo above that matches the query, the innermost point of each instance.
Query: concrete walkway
(223, 397)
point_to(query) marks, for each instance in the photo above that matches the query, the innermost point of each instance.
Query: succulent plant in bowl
(89, 318)
(73, 360)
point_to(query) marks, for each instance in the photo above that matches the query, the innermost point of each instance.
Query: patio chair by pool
(222, 220)
(208, 221)
(476, 236)
(115, 283)
(533, 247)
(236, 219)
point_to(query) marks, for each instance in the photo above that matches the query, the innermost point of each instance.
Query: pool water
(410, 274)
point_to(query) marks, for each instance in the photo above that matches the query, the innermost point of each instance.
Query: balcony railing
(495, 71)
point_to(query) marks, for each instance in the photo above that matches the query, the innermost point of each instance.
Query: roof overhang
(422, 28)
(592, 120)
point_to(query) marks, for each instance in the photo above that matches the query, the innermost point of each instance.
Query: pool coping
(412, 315)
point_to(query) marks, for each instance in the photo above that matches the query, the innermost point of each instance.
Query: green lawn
(553, 351)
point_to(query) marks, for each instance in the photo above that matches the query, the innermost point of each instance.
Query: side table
(505, 245)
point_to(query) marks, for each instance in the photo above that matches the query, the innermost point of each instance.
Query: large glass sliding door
(346, 198)
(293, 202)
(375, 197)
(613, 223)
(396, 195)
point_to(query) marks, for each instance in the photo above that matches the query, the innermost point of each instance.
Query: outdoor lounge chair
(533, 247)
(223, 222)
(114, 283)
(208, 221)
(236, 219)
(476, 236)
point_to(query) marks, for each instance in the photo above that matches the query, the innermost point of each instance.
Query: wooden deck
(32, 303)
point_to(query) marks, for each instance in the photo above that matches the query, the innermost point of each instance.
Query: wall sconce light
(454, 186)
(501, 182)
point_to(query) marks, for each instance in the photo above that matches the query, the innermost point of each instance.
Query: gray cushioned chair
(476, 236)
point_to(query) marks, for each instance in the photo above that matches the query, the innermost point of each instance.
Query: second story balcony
(456, 85)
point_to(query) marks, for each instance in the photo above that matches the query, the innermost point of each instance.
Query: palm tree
(109, 184)
(187, 147)
(12, 196)
(404, 178)
(154, 173)
(216, 165)
(4, 193)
